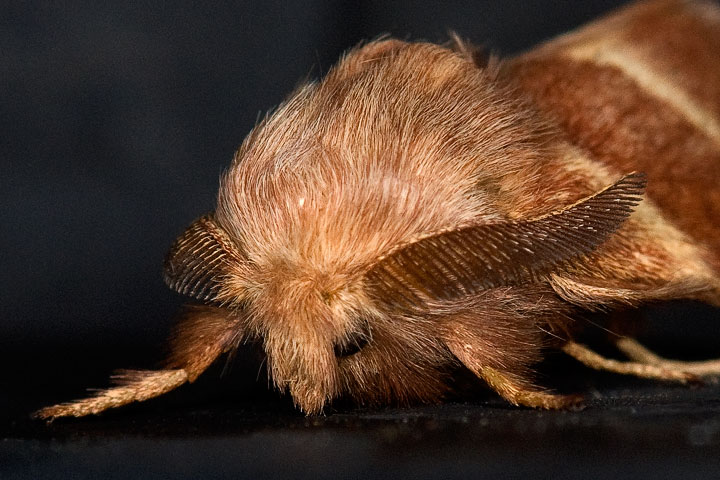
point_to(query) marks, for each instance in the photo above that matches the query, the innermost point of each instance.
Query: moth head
(307, 318)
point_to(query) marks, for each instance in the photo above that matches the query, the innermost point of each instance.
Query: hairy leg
(133, 386)
(202, 336)
(507, 375)
(519, 392)
(639, 353)
(594, 360)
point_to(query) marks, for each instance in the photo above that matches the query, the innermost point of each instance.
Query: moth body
(419, 211)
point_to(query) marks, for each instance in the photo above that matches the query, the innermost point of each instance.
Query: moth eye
(354, 342)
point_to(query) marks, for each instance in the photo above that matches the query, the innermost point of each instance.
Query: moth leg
(202, 336)
(135, 386)
(512, 386)
(596, 361)
(519, 392)
(639, 353)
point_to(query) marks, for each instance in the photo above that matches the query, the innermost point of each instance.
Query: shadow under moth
(424, 209)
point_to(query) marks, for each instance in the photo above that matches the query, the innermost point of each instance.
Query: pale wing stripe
(652, 82)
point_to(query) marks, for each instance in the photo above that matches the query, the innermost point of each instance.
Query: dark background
(116, 122)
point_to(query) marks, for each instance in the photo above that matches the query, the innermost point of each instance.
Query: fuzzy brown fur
(404, 157)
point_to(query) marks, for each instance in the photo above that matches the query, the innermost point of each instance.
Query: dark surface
(116, 122)
(633, 431)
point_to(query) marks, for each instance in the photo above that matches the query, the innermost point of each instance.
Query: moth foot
(520, 393)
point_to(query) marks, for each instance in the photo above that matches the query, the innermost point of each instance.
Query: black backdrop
(117, 120)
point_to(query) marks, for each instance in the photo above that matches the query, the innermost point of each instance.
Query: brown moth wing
(461, 262)
(640, 90)
(198, 260)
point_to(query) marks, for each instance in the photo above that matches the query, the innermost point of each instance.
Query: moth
(425, 209)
